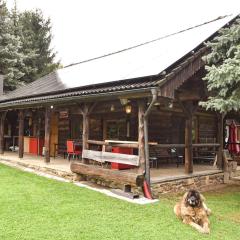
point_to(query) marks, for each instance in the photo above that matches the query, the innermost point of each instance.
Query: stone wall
(203, 182)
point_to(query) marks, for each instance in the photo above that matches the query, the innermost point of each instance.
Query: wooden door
(54, 133)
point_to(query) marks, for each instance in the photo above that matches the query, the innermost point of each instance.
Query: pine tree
(11, 59)
(223, 70)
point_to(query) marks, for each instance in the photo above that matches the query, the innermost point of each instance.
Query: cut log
(107, 174)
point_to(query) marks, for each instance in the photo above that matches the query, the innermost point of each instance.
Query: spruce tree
(11, 58)
(36, 40)
(223, 70)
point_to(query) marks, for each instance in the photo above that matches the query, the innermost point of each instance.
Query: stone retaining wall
(203, 182)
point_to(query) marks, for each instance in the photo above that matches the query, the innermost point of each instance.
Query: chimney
(1, 84)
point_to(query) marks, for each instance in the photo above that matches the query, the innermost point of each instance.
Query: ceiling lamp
(128, 108)
(112, 109)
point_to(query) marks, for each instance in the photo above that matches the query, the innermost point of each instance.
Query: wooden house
(136, 109)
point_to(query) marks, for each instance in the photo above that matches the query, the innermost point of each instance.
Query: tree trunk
(107, 174)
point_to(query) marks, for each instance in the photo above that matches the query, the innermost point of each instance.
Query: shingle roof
(128, 85)
(117, 72)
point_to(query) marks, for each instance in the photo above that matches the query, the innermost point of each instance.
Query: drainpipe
(147, 167)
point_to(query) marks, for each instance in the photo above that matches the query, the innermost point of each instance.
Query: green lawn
(32, 207)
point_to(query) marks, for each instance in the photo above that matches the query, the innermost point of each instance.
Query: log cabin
(135, 115)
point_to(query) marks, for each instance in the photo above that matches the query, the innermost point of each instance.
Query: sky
(83, 29)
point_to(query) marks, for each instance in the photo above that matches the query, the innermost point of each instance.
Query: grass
(32, 207)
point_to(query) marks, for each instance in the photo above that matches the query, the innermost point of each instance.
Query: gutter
(154, 93)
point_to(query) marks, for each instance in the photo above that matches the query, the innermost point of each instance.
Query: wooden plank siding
(181, 74)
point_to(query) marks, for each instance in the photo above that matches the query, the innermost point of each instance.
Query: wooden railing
(102, 157)
(103, 143)
(135, 144)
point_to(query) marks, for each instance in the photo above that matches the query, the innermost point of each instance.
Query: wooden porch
(106, 129)
(37, 162)
(61, 166)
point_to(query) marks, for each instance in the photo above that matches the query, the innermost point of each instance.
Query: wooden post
(85, 135)
(2, 119)
(141, 140)
(188, 146)
(21, 133)
(220, 125)
(189, 108)
(47, 134)
(86, 110)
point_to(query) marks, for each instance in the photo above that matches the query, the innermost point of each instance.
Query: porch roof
(137, 68)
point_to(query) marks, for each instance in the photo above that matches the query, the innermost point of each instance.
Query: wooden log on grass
(116, 176)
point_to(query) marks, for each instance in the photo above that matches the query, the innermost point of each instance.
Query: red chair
(73, 150)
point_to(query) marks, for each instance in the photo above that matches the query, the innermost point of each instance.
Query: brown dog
(193, 211)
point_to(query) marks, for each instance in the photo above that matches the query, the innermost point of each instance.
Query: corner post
(2, 119)
(47, 134)
(21, 133)
(188, 145)
(220, 127)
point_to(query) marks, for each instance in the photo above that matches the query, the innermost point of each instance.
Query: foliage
(223, 70)
(25, 46)
(11, 58)
(33, 207)
(36, 40)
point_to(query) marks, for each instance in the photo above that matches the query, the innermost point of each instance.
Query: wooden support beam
(141, 140)
(173, 145)
(21, 133)
(190, 95)
(188, 146)
(85, 134)
(189, 108)
(2, 119)
(220, 140)
(107, 174)
(47, 134)
(103, 143)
